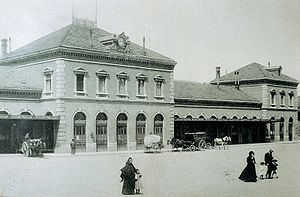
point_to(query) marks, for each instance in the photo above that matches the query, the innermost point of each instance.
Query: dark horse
(185, 145)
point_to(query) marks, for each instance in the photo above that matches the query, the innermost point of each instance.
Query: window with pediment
(141, 85)
(282, 98)
(159, 81)
(273, 97)
(48, 82)
(80, 75)
(122, 84)
(102, 77)
(291, 99)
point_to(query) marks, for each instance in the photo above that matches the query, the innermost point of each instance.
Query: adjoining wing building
(107, 93)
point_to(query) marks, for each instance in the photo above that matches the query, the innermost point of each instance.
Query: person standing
(269, 163)
(138, 182)
(249, 172)
(73, 146)
(128, 177)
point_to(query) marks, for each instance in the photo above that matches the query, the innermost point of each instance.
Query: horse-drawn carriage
(33, 147)
(153, 143)
(191, 142)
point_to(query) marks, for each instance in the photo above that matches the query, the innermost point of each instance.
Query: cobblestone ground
(202, 173)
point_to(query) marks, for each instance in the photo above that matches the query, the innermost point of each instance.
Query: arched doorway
(122, 132)
(158, 125)
(140, 131)
(80, 131)
(48, 132)
(5, 134)
(101, 132)
(281, 129)
(272, 129)
(290, 130)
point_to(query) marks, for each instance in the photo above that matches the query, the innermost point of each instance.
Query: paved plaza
(201, 173)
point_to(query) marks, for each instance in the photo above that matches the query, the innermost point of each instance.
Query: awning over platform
(28, 117)
(224, 120)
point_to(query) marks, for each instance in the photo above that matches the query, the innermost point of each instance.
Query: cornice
(16, 93)
(207, 102)
(92, 55)
(259, 81)
(98, 100)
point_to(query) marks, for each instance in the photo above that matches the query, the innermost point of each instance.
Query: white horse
(222, 142)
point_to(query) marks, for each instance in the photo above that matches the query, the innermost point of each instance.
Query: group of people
(131, 178)
(267, 169)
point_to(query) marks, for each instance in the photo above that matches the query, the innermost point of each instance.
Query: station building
(252, 104)
(84, 83)
(107, 93)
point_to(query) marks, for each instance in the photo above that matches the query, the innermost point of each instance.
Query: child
(274, 169)
(138, 182)
(262, 170)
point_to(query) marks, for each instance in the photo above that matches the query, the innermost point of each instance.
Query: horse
(177, 143)
(224, 142)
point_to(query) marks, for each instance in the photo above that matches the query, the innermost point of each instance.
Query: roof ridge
(261, 68)
(66, 34)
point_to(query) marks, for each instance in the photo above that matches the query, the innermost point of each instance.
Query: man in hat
(269, 163)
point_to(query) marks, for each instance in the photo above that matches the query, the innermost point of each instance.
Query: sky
(198, 34)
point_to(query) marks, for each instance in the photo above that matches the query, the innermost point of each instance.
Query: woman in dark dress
(128, 176)
(249, 173)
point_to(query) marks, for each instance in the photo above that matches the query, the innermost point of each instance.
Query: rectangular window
(122, 86)
(80, 82)
(141, 87)
(48, 83)
(158, 88)
(101, 84)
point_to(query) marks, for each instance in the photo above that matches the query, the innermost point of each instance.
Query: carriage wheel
(201, 144)
(208, 146)
(28, 152)
(25, 148)
(192, 148)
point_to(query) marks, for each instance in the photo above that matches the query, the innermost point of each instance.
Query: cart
(32, 147)
(153, 144)
(201, 141)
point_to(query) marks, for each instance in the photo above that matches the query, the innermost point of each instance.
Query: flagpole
(96, 14)
(73, 11)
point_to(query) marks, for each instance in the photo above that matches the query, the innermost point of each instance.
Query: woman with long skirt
(128, 176)
(249, 173)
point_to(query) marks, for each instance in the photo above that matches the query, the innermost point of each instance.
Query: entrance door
(79, 131)
(281, 129)
(290, 129)
(140, 131)
(122, 132)
(101, 132)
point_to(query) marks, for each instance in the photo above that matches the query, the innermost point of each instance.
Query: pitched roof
(255, 71)
(78, 37)
(198, 91)
(10, 80)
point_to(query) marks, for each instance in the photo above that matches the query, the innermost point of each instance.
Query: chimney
(3, 47)
(9, 45)
(144, 45)
(218, 75)
(237, 80)
(91, 38)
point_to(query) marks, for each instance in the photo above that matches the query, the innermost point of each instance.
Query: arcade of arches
(121, 132)
(241, 130)
(14, 127)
